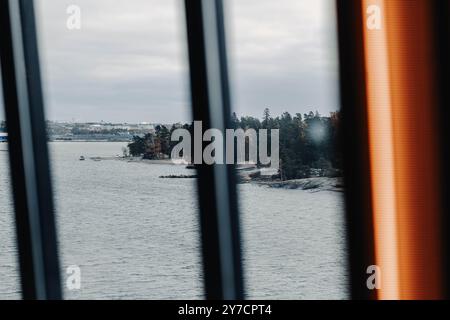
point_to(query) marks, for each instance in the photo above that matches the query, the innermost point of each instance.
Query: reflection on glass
(284, 66)
(115, 73)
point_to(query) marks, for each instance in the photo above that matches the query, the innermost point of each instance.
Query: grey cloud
(284, 56)
(129, 60)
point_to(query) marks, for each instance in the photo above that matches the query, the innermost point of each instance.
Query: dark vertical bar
(216, 184)
(442, 65)
(32, 189)
(355, 146)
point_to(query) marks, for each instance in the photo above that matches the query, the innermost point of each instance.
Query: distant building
(146, 126)
(3, 137)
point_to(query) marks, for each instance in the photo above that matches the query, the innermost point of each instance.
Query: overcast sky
(128, 63)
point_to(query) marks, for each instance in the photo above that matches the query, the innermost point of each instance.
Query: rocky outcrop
(312, 184)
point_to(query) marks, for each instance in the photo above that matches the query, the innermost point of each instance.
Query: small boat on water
(82, 158)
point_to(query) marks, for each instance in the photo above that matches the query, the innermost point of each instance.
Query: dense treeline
(157, 145)
(308, 142)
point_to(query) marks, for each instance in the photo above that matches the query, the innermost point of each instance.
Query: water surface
(135, 236)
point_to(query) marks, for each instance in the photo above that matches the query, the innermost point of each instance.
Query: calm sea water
(135, 236)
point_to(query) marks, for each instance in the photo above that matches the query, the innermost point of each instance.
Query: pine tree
(266, 119)
(234, 121)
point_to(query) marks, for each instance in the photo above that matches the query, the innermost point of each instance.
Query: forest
(308, 142)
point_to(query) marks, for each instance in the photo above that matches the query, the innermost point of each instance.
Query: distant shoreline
(148, 161)
(134, 160)
(89, 141)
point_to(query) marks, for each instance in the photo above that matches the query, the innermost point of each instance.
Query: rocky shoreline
(309, 184)
(253, 175)
(314, 184)
(182, 176)
(324, 180)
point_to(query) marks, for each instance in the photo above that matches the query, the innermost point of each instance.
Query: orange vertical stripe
(410, 42)
(403, 150)
(381, 149)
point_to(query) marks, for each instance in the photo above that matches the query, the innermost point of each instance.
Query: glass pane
(9, 267)
(284, 73)
(116, 72)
